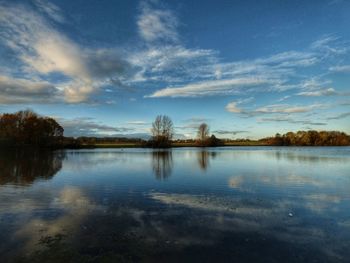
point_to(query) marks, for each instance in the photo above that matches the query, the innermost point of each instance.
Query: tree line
(163, 132)
(28, 128)
(309, 138)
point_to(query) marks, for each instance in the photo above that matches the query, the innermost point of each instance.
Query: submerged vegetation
(26, 128)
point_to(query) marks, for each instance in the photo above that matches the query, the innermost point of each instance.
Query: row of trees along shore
(309, 138)
(28, 128)
(163, 132)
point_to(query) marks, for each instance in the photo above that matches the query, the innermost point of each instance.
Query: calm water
(220, 204)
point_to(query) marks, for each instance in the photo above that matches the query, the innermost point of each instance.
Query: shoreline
(134, 145)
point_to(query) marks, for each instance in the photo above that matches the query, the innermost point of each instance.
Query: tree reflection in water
(24, 166)
(162, 164)
(203, 159)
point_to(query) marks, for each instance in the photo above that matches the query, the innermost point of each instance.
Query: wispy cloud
(168, 63)
(284, 98)
(318, 93)
(18, 91)
(326, 45)
(314, 83)
(285, 108)
(160, 59)
(141, 123)
(196, 120)
(50, 9)
(163, 57)
(291, 120)
(280, 109)
(245, 100)
(212, 87)
(339, 116)
(343, 69)
(270, 73)
(156, 24)
(229, 132)
(89, 127)
(280, 72)
(43, 50)
(192, 124)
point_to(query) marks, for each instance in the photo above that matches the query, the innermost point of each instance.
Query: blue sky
(247, 68)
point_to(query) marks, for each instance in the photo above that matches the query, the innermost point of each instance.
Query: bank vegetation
(26, 128)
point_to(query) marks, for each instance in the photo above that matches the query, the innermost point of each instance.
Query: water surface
(249, 204)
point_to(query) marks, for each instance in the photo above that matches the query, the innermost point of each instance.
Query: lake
(230, 204)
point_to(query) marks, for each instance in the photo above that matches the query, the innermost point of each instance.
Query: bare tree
(162, 131)
(157, 127)
(167, 127)
(203, 132)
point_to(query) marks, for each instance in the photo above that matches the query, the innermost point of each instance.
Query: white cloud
(55, 53)
(161, 58)
(284, 98)
(89, 127)
(289, 119)
(157, 24)
(168, 63)
(211, 87)
(290, 59)
(313, 83)
(229, 132)
(328, 46)
(29, 34)
(164, 58)
(245, 100)
(276, 65)
(324, 41)
(197, 70)
(318, 93)
(196, 120)
(285, 108)
(278, 69)
(43, 50)
(50, 9)
(77, 92)
(232, 107)
(25, 91)
(192, 124)
(137, 123)
(343, 69)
